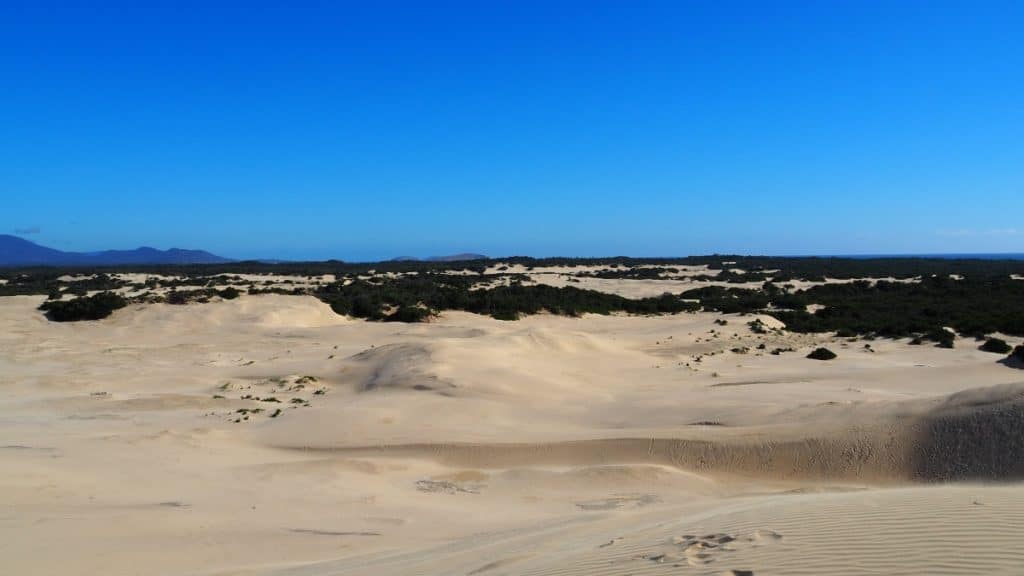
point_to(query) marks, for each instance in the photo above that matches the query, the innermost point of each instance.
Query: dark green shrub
(92, 307)
(943, 338)
(822, 354)
(415, 298)
(408, 314)
(757, 327)
(1017, 355)
(177, 297)
(365, 307)
(1015, 359)
(996, 346)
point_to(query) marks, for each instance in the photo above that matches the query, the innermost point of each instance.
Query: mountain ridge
(17, 251)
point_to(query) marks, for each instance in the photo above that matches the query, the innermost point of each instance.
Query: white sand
(472, 446)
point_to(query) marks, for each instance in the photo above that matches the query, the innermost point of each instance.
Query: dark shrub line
(414, 299)
(93, 307)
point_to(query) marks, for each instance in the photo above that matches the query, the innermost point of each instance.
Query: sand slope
(968, 529)
(267, 435)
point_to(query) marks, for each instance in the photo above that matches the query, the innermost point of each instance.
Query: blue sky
(372, 129)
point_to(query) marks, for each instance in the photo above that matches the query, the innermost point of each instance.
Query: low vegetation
(822, 354)
(916, 298)
(93, 307)
(202, 295)
(1017, 356)
(415, 298)
(970, 306)
(995, 345)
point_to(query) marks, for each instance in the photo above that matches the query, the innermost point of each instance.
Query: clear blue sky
(363, 130)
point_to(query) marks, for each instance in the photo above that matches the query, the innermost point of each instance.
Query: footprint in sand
(761, 537)
(703, 550)
(617, 501)
(447, 487)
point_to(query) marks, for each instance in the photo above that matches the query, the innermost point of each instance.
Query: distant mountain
(15, 251)
(449, 258)
(457, 257)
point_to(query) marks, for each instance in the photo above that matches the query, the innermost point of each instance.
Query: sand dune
(268, 435)
(976, 435)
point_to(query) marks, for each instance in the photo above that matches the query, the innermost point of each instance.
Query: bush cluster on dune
(413, 299)
(1017, 356)
(92, 307)
(822, 354)
(923, 297)
(996, 346)
(975, 306)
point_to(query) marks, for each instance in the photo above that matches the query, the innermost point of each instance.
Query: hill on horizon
(449, 258)
(16, 251)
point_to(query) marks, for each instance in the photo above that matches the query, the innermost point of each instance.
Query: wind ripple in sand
(895, 532)
(906, 531)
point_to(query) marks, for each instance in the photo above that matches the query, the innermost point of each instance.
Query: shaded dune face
(975, 435)
(396, 366)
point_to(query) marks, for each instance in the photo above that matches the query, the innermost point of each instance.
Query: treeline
(811, 268)
(49, 282)
(37, 280)
(972, 306)
(103, 304)
(639, 273)
(415, 298)
(338, 268)
(201, 295)
(985, 300)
